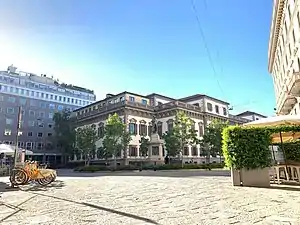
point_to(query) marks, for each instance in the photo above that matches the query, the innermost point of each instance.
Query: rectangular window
(144, 101)
(10, 110)
(131, 98)
(224, 111)
(217, 109)
(55, 97)
(29, 134)
(40, 134)
(9, 121)
(31, 113)
(51, 106)
(32, 93)
(31, 123)
(209, 107)
(41, 114)
(7, 132)
(51, 115)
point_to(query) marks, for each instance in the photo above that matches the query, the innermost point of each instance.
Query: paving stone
(142, 198)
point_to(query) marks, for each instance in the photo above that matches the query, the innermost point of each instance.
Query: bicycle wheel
(19, 177)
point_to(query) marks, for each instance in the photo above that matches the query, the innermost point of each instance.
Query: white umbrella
(275, 121)
(10, 150)
(6, 149)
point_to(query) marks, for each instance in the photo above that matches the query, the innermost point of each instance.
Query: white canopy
(10, 150)
(275, 121)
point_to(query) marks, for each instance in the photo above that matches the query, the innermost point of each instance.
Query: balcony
(288, 96)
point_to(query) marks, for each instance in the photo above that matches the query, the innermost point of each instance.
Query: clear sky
(145, 46)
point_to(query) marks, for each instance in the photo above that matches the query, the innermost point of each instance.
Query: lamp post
(13, 165)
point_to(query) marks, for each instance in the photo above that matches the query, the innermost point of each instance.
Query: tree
(172, 143)
(184, 131)
(212, 139)
(86, 138)
(116, 137)
(64, 132)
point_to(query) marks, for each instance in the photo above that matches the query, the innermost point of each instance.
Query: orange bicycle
(31, 172)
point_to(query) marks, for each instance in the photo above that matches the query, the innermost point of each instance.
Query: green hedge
(247, 147)
(94, 168)
(292, 151)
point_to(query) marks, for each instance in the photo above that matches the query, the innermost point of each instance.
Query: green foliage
(212, 138)
(247, 147)
(292, 152)
(144, 146)
(64, 131)
(116, 137)
(172, 143)
(184, 130)
(86, 138)
(95, 168)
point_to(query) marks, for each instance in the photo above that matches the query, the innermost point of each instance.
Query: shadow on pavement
(5, 186)
(58, 184)
(148, 173)
(102, 208)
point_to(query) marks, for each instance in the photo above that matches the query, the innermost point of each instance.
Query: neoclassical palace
(137, 112)
(284, 57)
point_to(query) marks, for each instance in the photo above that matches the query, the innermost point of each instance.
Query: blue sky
(145, 46)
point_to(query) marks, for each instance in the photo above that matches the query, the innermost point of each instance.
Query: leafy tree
(172, 143)
(144, 146)
(184, 131)
(116, 137)
(64, 132)
(212, 139)
(86, 138)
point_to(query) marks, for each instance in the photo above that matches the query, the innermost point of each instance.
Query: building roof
(197, 96)
(250, 113)
(161, 96)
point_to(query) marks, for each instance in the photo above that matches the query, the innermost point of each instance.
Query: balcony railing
(175, 104)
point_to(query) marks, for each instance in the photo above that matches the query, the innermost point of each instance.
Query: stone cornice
(275, 30)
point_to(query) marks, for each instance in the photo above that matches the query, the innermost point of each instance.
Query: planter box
(251, 178)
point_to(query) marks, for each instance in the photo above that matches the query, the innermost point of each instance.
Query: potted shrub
(246, 152)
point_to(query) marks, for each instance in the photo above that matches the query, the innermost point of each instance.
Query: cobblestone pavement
(148, 197)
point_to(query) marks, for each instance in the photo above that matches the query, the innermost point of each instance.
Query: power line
(205, 44)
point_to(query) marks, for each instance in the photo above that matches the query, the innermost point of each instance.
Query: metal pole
(17, 136)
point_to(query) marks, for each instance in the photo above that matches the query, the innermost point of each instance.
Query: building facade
(252, 116)
(38, 97)
(137, 112)
(284, 55)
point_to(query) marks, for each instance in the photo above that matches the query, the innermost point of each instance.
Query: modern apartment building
(284, 55)
(39, 98)
(137, 112)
